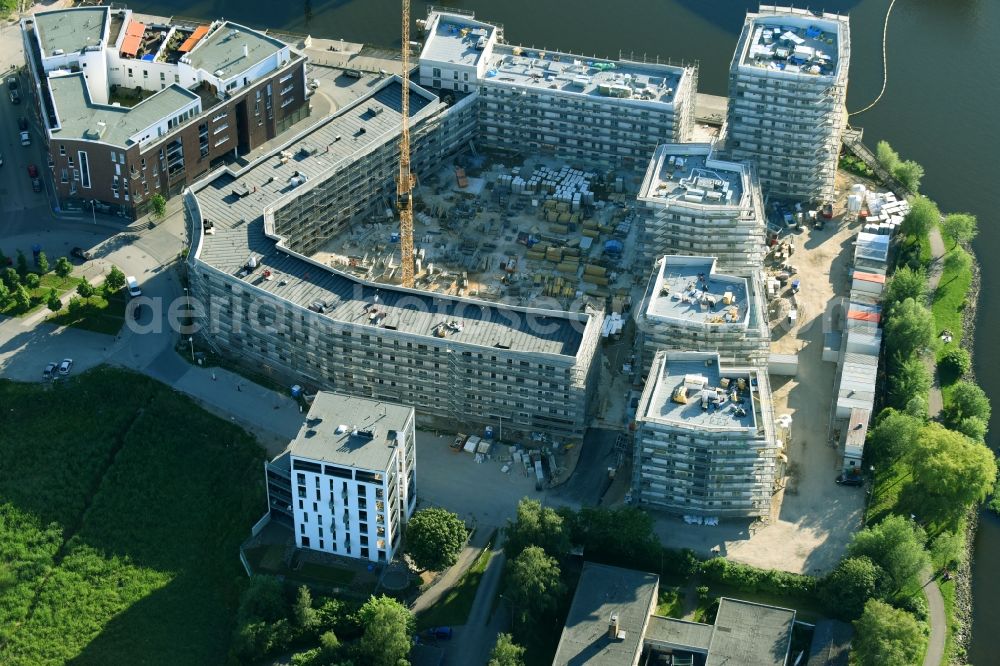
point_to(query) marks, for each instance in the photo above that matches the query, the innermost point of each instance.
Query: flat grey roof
(454, 40)
(71, 30)
(687, 290)
(78, 114)
(240, 233)
(672, 633)
(318, 438)
(535, 68)
(795, 44)
(688, 174)
(831, 644)
(601, 592)
(223, 50)
(690, 376)
(749, 633)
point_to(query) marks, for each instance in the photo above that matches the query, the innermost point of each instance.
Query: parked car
(65, 366)
(850, 480)
(439, 633)
(49, 370)
(25, 139)
(36, 185)
(32, 171)
(12, 82)
(22, 123)
(15, 97)
(81, 254)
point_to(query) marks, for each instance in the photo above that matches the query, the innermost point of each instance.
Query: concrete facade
(691, 202)
(787, 90)
(456, 360)
(706, 444)
(115, 157)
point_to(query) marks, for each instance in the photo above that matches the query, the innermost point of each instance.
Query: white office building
(787, 89)
(351, 471)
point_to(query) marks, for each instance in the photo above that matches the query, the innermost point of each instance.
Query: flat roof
(672, 633)
(587, 76)
(223, 50)
(356, 419)
(78, 115)
(688, 290)
(240, 232)
(71, 30)
(831, 644)
(604, 591)
(687, 380)
(455, 39)
(689, 174)
(795, 43)
(749, 633)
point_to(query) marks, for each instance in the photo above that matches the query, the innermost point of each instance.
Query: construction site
(515, 231)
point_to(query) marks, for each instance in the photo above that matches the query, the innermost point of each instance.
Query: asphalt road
(590, 479)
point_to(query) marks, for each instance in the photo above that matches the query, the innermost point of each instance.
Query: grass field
(98, 313)
(454, 607)
(40, 293)
(123, 505)
(670, 602)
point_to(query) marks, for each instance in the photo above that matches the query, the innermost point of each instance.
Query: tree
(4, 294)
(948, 549)
(387, 626)
(22, 264)
(962, 227)
(263, 599)
(909, 329)
(905, 283)
(22, 299)
(43, 263)
(973, 427)
(892, 436)
(74, 305)
(910, 377)
(886, 636)
(844, 591)
(923, 215)
(159, 205)
(304, 615)
(11, 279)
(958, 261)
(950, 473)
(434, 538)
(886, 156)
(955, 363)
(533, 583)
(622, 536)
(63, 267)
(897, 546)
(506, 652)
(918, 407)
(967, 400)
(31, 281)
(909, 173)
(53, 301)
(85, 289)
(536, 526)
(115, 280)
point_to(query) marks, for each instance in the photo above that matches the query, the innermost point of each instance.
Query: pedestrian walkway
(450, 578)
(936, 619)
(934, 400)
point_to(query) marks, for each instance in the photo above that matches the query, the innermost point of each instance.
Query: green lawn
(122, 512)
(40, 294)
(454, 607)
(98, 313)
(670, 602)
(949, 302)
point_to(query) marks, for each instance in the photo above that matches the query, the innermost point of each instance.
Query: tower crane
(404, 181)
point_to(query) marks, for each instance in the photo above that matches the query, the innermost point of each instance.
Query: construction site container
(595, 279)
(560, 229)
(568, 267)
(593, 269)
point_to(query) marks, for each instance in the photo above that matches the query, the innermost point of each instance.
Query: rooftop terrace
(234, 202)
(686, 173)
(799, 43)
(71, 30)
(81, 118)
(692, 391)
(581, 75)
(688, 291)
(223, 50)
(458, 40)
(350, 431)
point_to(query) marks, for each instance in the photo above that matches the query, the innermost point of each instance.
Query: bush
(751, 579)
(31, 281)
(954, 364)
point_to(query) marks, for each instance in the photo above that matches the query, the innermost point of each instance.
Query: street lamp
(191, 340)
(93, 209)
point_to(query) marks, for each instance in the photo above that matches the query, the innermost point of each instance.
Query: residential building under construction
(787, 90)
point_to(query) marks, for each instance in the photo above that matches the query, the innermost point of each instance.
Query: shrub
(954, 363)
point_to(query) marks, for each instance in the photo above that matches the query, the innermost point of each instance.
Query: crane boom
(404, 182)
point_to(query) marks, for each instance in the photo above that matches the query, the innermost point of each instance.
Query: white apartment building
(688, 306)
(351, 477)
(691, 202)
(706, 444)
(605, 111)
(787, 89)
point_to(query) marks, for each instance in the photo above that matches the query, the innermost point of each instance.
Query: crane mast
(404, 181)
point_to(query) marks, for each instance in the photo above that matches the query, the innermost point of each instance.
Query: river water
(942, 83)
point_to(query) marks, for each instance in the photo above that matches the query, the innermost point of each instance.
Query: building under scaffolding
(787, 90)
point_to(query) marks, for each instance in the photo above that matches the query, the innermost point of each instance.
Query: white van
(133, 286)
